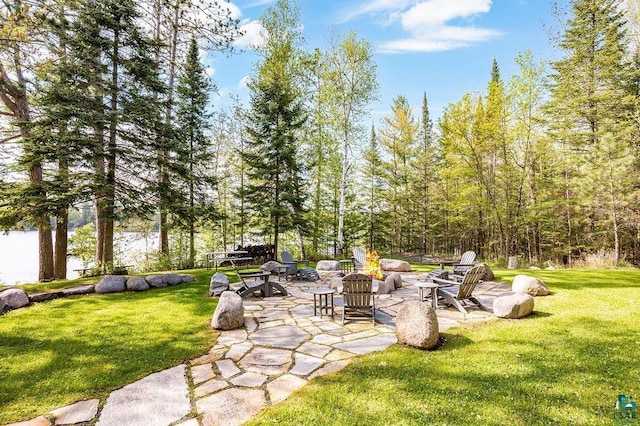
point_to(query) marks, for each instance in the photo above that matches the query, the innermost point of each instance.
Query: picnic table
(232, 256)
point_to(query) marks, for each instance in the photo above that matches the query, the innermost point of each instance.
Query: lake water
(19, 255)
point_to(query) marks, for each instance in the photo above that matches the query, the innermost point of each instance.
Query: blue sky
(442, 47)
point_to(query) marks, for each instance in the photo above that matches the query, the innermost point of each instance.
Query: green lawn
(58, 352)
(564, 365)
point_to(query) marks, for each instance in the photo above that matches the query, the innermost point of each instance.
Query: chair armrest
(306, 262)
(440, 281)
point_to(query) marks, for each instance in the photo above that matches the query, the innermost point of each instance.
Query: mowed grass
(564, 365)
(59, 352)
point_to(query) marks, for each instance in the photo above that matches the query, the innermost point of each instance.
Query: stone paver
(287, 337)
(210, 387)
(267, 361)
(283, 386)
(249, 380)
(280, 348)
(202, 373)
(305, 364)
(80, 412)
(227, 368)
(231, 407)
(158, 399)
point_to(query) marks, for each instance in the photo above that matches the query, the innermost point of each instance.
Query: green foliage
(274, 189)
(82, 244)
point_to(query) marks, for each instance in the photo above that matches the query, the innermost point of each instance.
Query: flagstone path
(282, 346)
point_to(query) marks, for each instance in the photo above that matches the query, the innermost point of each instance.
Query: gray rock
(397, 279)
(526, 284)
(80, 412)
(328, 265)
(111, 284)
(84, 289)
(172, 279)
(137, 284)
(336, 282)
(395, 265)
(3, 306)
(219, 283)
(186, 278)
(417, 325)
(156, 281)
(38, 421)
(229, 313)
(513, 306)
(14, 298)
(488, 273)
(384, 287)
(229, 407)
(271, 266)
(44, 296)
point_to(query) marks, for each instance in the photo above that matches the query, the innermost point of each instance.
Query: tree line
(109, 103)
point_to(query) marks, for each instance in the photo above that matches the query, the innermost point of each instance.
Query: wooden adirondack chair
(456, 293)
(359, 255)
(357, 291)
(466, 263)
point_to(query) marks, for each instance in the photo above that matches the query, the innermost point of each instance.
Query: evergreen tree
(274, 190)
(589, 102)
(193, 125)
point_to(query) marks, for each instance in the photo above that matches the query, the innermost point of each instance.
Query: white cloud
(244, 82)
(427, 23)
(373, 7)
(253, 34)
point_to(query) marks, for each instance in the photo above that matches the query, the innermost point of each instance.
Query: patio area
(282, 347)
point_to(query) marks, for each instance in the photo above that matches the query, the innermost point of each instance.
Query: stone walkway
(281, 348)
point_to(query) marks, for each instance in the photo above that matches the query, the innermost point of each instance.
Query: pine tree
(193, 125)
(588, 103)
(274, 190)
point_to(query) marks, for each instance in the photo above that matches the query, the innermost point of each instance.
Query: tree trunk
(60, 263)
(343, 198)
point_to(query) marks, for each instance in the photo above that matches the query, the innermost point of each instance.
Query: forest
(108, 105)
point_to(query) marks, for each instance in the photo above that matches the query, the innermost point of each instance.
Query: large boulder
(328, 265)
(417, 325)
(219, 283)
(397, 279)
(395, 265)
(336, 282)
(384, 287)
(111, 284)
(488, 273)
(186, 278)
(14, 298)
(513, 306)
(3, 307)
(156, 281)
(172, 279)
(137, 284)
(271, 266)
(526, 284)
(229, 313)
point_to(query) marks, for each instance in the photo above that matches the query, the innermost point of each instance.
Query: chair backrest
(468, 257)
(469, 282)
(359, 255)
(287, 259)
(286, 256)
(357, 290)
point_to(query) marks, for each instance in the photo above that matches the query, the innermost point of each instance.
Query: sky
(443, 48)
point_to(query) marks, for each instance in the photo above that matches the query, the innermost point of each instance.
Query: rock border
(169, 279)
